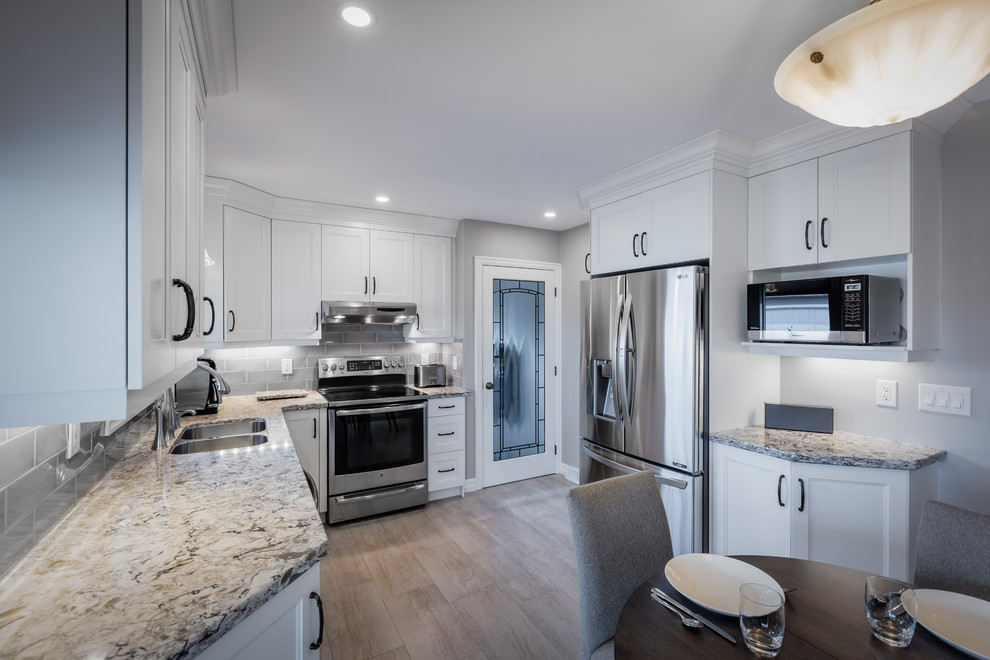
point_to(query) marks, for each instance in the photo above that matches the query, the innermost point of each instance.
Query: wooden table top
(824, 617)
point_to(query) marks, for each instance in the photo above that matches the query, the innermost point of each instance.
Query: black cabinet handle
(314, 427)
(374, 285)
(642, 244)
(807, 238)
(447, 470)
(417, 320)
(213, 316)
(444, 434)
(780, 482)
(190, 310)
(801, 482)
(635, 238)
(365, 285)
(319, 604)
(587, 263)
(233, 320)
(442, 407)
(824, 244)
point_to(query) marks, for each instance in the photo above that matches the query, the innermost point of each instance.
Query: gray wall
(963, 360)
(574, 245)
(488, 239)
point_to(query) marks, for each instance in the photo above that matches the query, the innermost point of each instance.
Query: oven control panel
(371, 365)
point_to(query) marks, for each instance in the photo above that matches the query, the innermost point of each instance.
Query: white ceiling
(494, 109)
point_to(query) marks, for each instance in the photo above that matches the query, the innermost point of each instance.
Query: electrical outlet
(455, 363)
(286, 366)
(887, 393)
(72, 433)
(424, 358)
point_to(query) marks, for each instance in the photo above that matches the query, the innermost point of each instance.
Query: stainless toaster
(431, 375)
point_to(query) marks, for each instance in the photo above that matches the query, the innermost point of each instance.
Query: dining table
(825, 617)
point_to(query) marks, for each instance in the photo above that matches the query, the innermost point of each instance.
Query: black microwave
(855, 309)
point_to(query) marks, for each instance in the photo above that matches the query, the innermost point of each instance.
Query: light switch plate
(424, 358)
(72, 433)
(946, 399)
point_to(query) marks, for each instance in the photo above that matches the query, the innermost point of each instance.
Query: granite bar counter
(838, 448)
(168, 552)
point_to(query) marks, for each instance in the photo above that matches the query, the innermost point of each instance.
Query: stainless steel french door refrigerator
(644, 395)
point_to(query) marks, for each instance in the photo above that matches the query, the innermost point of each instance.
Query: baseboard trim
(471, 485)
(570, 473)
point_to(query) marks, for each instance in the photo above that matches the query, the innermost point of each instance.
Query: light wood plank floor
(484, 577)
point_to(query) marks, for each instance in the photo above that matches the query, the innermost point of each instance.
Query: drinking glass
(889, 621)
(761, 618)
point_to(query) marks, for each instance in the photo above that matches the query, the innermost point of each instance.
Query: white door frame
(479, 381)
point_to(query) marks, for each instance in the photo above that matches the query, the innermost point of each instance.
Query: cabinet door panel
(680, 221)
(613, 230)
(747, 517)
(782, 203)
(247, 276)
(864, 200)
(847, 518)
(392, 267)
(308, 431)
(434, 287)
(296, 280)
(345, 264)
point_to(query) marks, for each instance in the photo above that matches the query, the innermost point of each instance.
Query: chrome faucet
(222, 386)
(167, 420)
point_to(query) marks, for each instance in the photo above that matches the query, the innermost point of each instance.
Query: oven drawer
(445, 434)
(446, 406)
(446, 470)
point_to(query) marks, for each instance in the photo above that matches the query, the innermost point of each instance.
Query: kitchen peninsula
(169, 552)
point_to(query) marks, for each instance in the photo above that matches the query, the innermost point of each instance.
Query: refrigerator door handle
(595, 456)
(630, 358)
(618, 356)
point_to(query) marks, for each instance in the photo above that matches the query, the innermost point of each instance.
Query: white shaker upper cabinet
(616, 229)
(296, 280)
(345, 264)
(392, 271)
(433, 288)
(247, 276)
(852, 204)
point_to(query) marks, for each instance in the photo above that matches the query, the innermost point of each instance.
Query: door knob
(489, 386)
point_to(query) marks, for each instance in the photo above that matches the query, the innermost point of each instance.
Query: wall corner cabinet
(112, 261)
(445, 446)
(872, 208)
(864, 518)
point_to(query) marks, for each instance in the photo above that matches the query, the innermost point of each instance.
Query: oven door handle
(348, 499)
(384, 409)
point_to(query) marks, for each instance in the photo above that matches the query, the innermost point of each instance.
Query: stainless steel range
(377, 436)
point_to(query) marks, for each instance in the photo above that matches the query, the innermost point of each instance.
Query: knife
(696, 616)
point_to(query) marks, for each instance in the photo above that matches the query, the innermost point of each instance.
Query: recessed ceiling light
(355, 15)
(381, 198)
(550, 214)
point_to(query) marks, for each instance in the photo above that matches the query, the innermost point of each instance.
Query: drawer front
(446, 470)
(446, 406)
(445, 434)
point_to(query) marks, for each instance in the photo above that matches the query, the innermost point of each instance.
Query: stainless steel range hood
(362, 312)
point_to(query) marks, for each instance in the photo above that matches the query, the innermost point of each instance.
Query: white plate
(713, 581)
(961, 621)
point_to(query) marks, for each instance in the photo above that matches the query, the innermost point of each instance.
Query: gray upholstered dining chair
(953, 550)
(621, 538)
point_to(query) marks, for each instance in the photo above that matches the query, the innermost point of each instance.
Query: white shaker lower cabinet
(864, 518)
(308, 430)
(445, 446)
(284, 627)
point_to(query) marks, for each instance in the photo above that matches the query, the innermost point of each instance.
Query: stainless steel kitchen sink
(192, 446)
(223, 435)
(223, 429)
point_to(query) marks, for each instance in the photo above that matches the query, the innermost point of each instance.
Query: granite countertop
(168, 552)
(837, 448)
(442, 392)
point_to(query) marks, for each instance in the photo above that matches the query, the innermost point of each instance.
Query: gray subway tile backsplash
(38, 484)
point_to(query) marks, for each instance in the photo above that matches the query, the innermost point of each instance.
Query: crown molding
(244, 197)
(213, 37)
(719, 150)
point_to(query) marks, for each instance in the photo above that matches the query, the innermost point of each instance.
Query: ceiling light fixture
(550, 214)
(890, 61)
(381, 198)
(356, 15)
